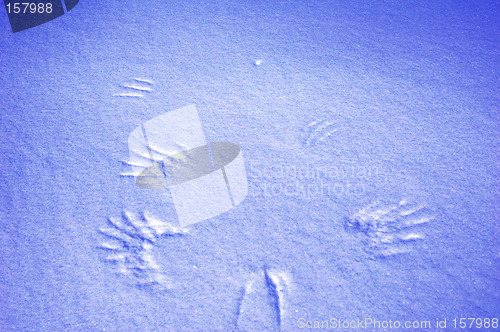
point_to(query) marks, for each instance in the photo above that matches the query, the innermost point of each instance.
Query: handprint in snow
(390, 229)
(129, 244)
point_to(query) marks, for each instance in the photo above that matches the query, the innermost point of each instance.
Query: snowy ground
(370, 134)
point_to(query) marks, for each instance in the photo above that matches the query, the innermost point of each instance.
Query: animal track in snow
(135, 89)
(262, 302)
(129, 243)
(317, 131)
(390, 229)
(154, 155)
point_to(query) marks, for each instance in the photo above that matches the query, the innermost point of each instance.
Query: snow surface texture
(370, 136)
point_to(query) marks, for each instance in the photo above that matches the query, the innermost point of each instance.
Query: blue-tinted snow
(370, 136)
